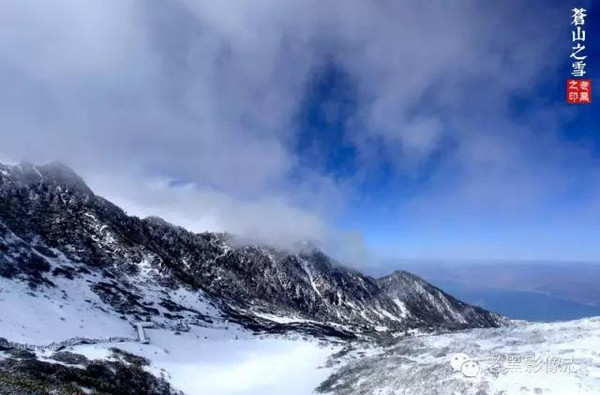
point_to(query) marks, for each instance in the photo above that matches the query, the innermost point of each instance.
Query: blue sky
(380, 130)
(550, 227)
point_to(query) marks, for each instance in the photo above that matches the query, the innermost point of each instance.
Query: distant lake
(530, 306)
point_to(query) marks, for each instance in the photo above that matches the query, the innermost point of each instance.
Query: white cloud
(272, 220)
(206, 93)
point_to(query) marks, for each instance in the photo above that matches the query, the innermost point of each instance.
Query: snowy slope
(56, 315)
(233, 361)
(554, 358)
(71, 301)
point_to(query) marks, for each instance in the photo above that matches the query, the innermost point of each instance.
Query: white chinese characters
(578, 37)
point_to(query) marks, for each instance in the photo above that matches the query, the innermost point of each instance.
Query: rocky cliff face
(52, 224)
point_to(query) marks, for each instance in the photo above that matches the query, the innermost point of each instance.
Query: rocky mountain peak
(398, 276)
(53, 174)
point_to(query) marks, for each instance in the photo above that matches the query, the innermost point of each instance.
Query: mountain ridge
(50, 208)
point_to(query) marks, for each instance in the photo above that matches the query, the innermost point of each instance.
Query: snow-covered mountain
(53, 228)
(83, 286)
